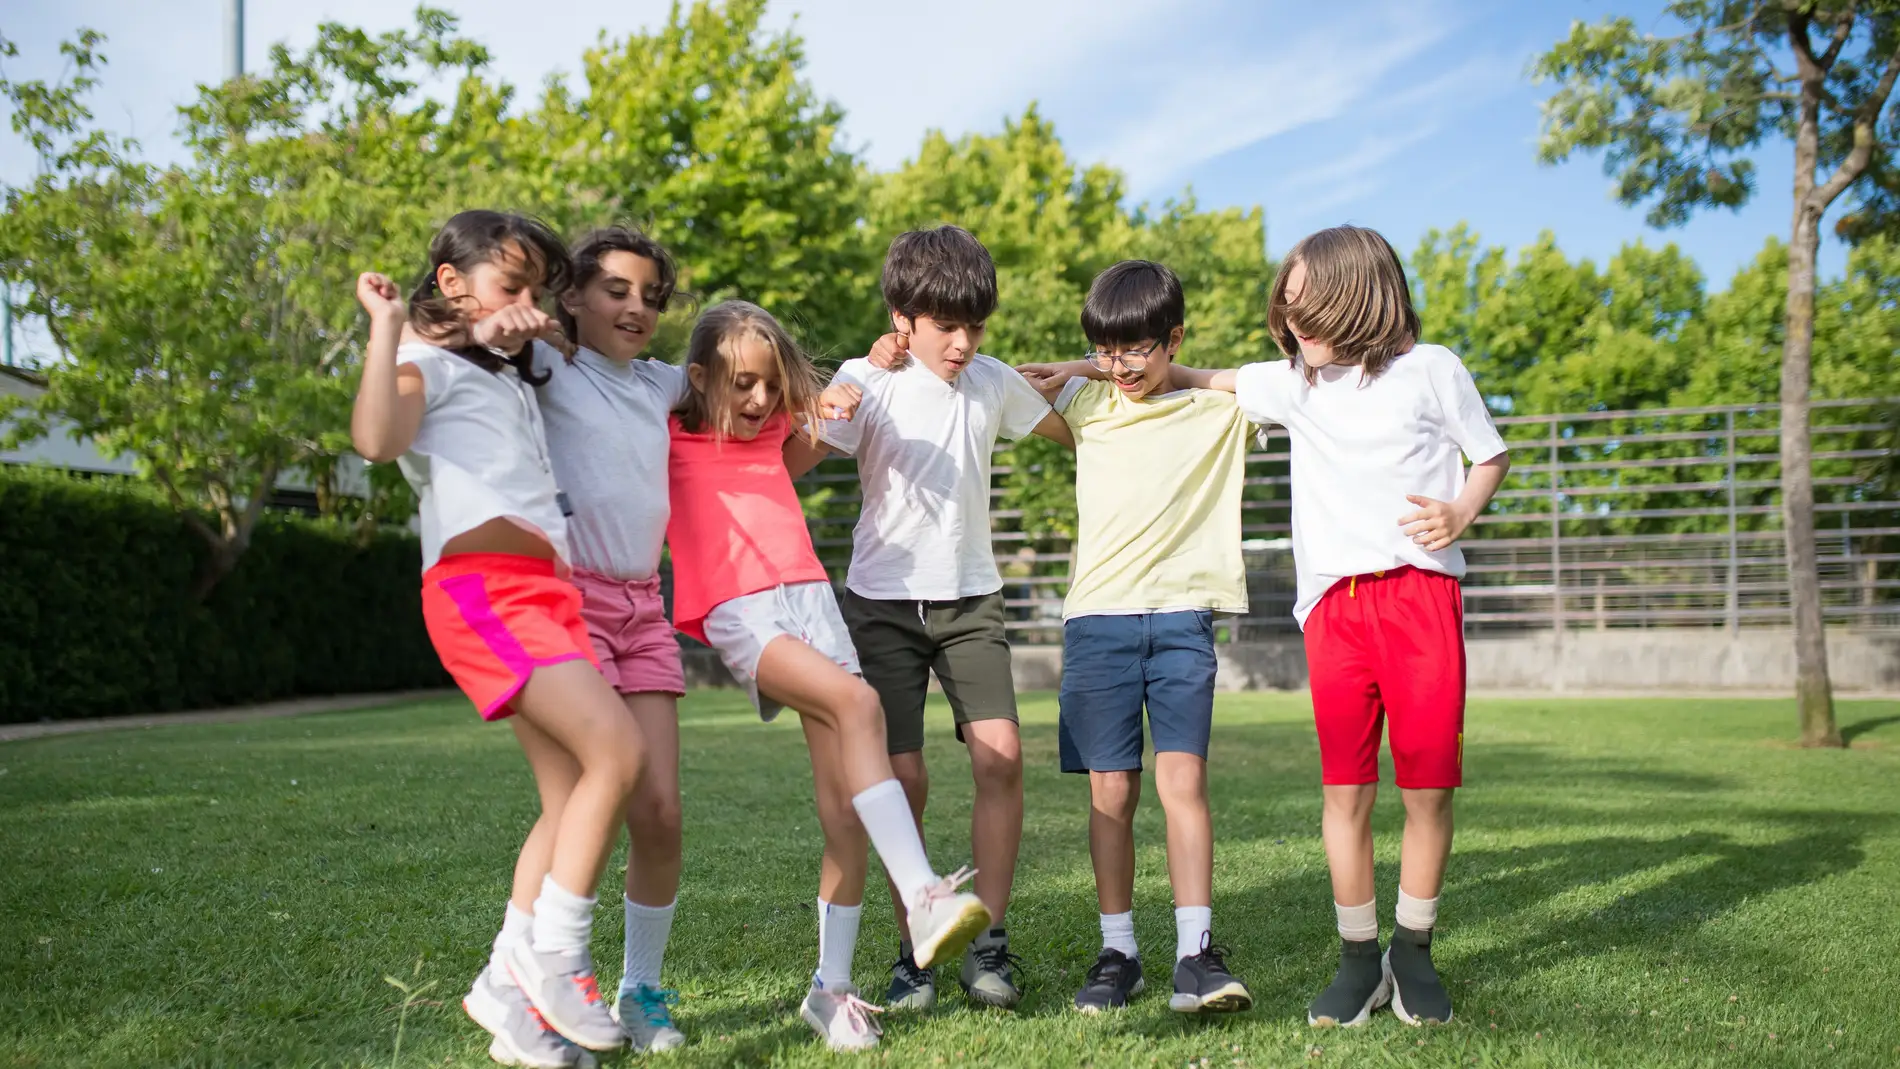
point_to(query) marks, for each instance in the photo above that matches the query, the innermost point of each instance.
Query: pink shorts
(627, 621)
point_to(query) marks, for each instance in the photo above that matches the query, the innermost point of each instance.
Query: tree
(202, 311)
(1679, 117)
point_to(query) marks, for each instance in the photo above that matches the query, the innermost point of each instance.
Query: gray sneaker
(645, 1017)
(841, 1017)
(561, 985)
(944, 920)
(989, 971)
(521, 1036)
(911, 988)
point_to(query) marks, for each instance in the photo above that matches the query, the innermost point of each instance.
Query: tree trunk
(1814, 692)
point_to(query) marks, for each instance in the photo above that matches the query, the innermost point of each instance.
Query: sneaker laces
(913, 976)
(1213, 954)
(1107, 970)
(857, 1013)
(944, 889)
(653, 1004)
(995, 958)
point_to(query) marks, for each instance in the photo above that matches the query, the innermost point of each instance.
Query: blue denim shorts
(1113, 666)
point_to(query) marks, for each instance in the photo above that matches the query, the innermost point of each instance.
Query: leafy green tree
(1679, 118)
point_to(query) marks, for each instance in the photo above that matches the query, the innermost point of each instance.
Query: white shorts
(740, 630)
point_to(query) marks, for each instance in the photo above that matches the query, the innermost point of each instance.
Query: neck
(602, 353)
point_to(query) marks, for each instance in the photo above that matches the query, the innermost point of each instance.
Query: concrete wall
(1586, 661)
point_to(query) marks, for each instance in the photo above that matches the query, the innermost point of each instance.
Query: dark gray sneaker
(1202, 983)
(1360, 986)
(911, 988)
(1418, 997)
(989, 971)
(1112, 981)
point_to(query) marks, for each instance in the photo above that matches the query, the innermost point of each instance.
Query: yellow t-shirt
(1157, 492)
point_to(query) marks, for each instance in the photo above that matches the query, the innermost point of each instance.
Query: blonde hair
(714, 347)
(1355, 299)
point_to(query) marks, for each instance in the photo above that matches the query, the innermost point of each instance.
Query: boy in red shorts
(1380, 496)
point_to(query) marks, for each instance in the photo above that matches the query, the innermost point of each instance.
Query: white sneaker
(521, 1036)
(644, 1016)
(943, 920)
(841, 1017)
(561, 985)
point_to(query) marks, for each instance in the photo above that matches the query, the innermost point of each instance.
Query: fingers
(1413, 517)
(1422, 502)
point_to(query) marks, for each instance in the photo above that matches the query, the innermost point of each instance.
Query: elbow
(373, 448)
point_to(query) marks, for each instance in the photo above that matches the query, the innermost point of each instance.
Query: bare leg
(916, 780)
(996, 814)
(573, 706)
(1346, 828)
(1181, 780)
(1113, 797)
(653, 813)
(555, 773)
(1427, 841)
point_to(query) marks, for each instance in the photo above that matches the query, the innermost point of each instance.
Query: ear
(696, 374)
(571, 301)
(902, 324)
(1174, 340)
(449, 282)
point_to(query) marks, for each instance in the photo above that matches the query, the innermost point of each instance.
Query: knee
(912, 776)
(1115, 793)
(1178, 786)
(997, 767)
(1351, 802)
(1429, 805)
(654, 823)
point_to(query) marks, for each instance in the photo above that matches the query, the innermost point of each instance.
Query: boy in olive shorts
(923, 594)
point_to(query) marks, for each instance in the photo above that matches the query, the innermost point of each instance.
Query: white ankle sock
(885, 812)
(1358, 923)
(516, 925)
(647, 930)
(1118, 932)
(563, 920)
(1192, 926)
(1418, 914)
(837, 942)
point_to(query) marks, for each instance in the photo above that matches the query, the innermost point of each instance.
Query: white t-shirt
(923, 447)
(480, 454)
(1359, 448)
(607, 430)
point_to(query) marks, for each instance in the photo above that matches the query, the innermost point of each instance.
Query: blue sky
(1398, 114)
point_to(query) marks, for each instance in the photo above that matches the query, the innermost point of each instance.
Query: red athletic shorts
(496, 617)
(1389, 645)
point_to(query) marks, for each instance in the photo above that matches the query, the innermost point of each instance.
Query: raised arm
(1195, 378)
(389, 400)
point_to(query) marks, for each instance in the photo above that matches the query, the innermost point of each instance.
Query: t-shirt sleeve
(433, 364)
(1264, 390)
(846, 436)
(1080, 399)
(1023, 407)
(671, 379)
(1467, 419)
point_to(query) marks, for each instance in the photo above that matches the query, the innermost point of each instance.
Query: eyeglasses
(1133, 359)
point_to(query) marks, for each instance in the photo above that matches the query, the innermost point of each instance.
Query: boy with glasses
(1157, 486)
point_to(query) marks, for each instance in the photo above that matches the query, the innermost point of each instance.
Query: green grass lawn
(1636, 883)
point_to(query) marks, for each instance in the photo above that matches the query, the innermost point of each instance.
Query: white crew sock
(1192, 927)
(563, 920)
(516, 924)
(647, 930)
(1118, 933)
(1358, 923)
(837, 943)
(1418, 914)
(884, 810)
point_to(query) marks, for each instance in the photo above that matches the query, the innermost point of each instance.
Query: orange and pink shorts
(496, 617)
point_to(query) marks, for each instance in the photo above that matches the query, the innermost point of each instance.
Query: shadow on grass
(1855, 730)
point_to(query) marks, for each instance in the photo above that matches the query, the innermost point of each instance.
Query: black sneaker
(1417, 995)
(1360, 986)
(912, 988)
(1202, 983)
(1112, 981)
(989, 971)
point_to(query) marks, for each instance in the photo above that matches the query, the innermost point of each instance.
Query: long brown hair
(1355, 299)
(714, 346)
(466, 241)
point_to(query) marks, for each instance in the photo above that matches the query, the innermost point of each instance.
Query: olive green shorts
(900, 643)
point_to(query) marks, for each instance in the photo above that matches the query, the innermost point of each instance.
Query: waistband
(649, 585)
(490, 563)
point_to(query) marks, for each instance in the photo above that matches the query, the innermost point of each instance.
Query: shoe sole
(1380, 996)
(1398, 1004)
(1140, 986)
(997, 1002)
(818, 1026)
(971, 921)
(1231, 998)
(503, 1050)
(561, 1026)
(911, 1003)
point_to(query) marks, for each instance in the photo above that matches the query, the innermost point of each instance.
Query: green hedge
(96, 618)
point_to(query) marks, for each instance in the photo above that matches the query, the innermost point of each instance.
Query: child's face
(616, 311)
(753, 393)
(1154, 357)
(507, 280)
(1314, 352)
(945, 348)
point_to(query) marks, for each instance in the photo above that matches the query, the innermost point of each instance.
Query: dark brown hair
(598, 243)
(714, 345)
(1354, 299)
(944, 273)
(468, 240)
(1133, 301)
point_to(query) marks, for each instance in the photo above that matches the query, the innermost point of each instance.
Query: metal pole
(1734, 583)
(233, 39)
(1556, 542)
